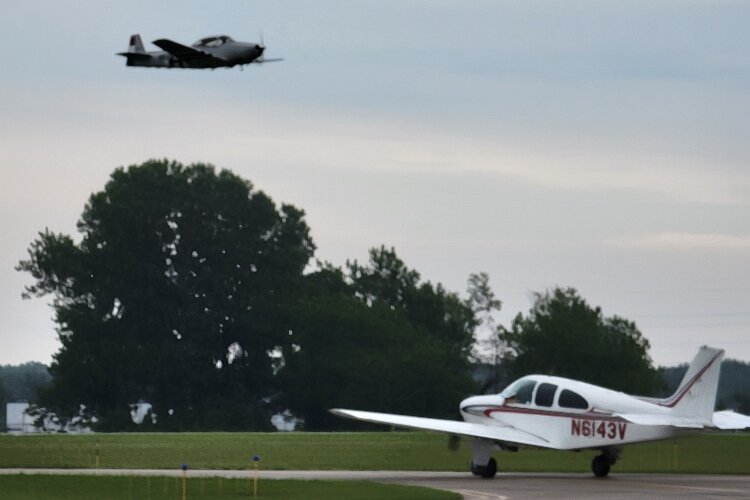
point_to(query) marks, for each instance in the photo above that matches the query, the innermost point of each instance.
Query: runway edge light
(256, 459)
(184, 481)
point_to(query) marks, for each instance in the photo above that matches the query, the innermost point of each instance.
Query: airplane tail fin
(696, 395)
(136, 54)
(136, 44)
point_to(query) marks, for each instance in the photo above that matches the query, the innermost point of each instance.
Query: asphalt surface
(503, 486)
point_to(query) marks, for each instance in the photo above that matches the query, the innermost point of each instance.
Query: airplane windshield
(519, 391)
(212, 41)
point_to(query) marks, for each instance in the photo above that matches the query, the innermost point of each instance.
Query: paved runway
(616, 486)
(504, 486)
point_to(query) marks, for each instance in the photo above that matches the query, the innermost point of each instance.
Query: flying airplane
(210, 52)
(558, 413)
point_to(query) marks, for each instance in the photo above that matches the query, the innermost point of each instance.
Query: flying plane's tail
(136, 54)
(136, 45)
(696, 395)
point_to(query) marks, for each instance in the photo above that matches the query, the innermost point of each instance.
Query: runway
(503, 486)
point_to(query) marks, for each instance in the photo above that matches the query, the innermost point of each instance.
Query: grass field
(43, 487)
(705, 453)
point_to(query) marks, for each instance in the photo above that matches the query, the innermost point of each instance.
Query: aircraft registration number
(601, 429)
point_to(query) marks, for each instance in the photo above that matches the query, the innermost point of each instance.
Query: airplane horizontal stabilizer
(135, 55)
(667, 420)
(729, 419)
(492, 432)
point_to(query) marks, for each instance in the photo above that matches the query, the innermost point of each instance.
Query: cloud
(685, 241)
(134, 126)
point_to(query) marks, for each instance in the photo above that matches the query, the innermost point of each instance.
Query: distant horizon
(585, 144)
(684, 363)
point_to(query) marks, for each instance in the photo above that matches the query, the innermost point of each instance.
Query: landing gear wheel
(475, 469)
(486, 471)
(600, 465)
(490, 469)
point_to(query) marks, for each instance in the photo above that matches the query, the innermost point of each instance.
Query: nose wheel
(486, 471)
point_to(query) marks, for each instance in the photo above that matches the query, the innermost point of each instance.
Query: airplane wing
(728, 419)
(185, 53)
(135, 55)
(262, 60)
(495, 433)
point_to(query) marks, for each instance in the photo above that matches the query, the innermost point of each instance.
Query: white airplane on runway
(554, 412)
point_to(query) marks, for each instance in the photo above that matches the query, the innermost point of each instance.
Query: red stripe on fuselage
(548, 413)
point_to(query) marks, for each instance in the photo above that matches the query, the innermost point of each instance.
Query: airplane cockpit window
(212, 41)
(570, 399)
(545, 394)
(520, 391)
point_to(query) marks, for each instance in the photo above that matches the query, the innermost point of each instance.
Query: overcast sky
(599, 145)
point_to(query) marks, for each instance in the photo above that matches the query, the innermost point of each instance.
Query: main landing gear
(601, 463)
(486, 471)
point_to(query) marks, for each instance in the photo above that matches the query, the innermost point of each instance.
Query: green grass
(704, 453)
(44, 487)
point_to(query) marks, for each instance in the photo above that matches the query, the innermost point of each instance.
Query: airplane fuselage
(566, 430)
(553, 418)
(230, 55)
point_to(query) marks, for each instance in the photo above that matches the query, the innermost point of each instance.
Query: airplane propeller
(261, 47)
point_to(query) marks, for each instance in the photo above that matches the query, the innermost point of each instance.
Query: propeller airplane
(559, 413)
(210, 52)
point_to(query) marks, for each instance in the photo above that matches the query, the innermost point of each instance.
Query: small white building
(16, 418)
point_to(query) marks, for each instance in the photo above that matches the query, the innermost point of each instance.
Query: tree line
(21, 383)
(190, 289)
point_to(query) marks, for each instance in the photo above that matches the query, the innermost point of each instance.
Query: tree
(175, 294)
(22, 382)
(3, 402)
(489, 342)
(374, 337)
(562, 335)
(387, 281)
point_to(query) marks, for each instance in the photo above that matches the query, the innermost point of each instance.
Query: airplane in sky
(210, 52)
(554, 412)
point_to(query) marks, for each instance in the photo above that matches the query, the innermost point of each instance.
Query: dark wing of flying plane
(188, 54)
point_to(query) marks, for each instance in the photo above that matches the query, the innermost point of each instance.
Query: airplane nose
(480, 403)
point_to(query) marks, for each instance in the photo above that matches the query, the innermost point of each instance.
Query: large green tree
(563, 335)
(375, 337)
(174, 293)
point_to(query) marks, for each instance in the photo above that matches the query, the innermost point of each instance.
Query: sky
(598, 145)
